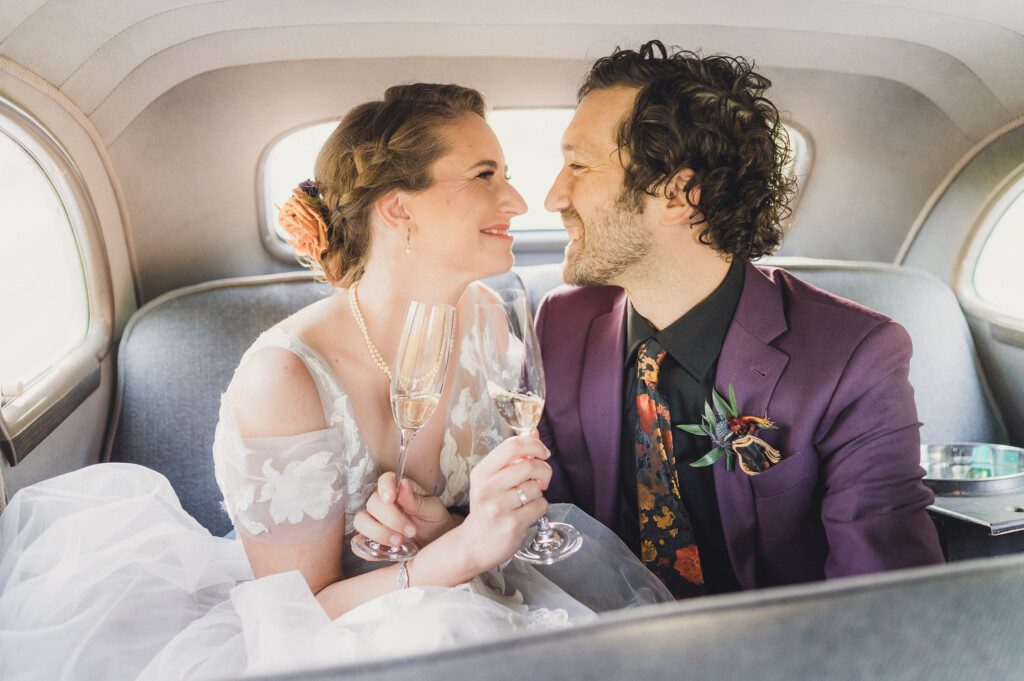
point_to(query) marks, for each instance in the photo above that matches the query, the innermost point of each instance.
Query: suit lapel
(753, 368)
(601, 404)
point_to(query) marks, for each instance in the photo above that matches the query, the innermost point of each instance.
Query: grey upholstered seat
(176, 357)
(953, 399)
(178, 353)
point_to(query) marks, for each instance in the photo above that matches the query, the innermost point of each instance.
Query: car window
(46, 313)
(532, 142)
(530, 138)
(998, 276)
(289, 161)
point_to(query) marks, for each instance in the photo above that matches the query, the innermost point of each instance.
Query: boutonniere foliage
(733, 436)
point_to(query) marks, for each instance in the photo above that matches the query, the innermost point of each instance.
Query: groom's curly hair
(707, 114)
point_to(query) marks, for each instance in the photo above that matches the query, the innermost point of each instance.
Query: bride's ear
(393, 212)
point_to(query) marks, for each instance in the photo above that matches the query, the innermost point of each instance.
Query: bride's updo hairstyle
(379, 146)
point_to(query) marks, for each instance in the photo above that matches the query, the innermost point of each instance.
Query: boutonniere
(733, 436)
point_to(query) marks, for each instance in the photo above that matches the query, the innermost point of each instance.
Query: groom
(673, 183)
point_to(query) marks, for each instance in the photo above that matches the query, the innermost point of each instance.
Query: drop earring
(408, 243)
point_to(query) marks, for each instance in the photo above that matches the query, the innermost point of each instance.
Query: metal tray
(972, 468)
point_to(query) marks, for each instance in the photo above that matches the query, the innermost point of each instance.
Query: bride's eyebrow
(490, 165)
(487, 165)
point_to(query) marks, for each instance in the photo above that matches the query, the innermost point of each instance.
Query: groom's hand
(409, 511)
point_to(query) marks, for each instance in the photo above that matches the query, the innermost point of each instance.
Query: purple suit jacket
(847, 496)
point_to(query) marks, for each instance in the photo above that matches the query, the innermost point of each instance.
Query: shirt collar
(695, 339)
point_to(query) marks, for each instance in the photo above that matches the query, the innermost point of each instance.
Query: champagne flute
(417, 380)
(515, 381)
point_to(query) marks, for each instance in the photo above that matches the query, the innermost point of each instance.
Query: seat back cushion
(178, 353)
(954, 403)
(177, 356)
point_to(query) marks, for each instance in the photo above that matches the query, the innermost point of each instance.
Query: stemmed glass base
(548, 542)
(368, 549)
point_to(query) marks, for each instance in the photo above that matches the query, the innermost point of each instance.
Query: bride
(103, 575)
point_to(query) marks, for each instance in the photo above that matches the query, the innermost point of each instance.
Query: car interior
(143, 147)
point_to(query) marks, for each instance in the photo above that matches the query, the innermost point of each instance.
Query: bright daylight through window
(40, 264)
(998, 277)
(530, 138)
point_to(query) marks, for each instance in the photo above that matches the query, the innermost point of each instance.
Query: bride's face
(462, 220)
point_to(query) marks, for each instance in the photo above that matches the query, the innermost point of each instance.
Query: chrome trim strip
(539, 240)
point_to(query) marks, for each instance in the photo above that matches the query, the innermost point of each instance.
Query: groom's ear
(393, 211)
(680, 206)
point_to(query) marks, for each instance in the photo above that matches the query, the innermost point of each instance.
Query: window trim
(802, 164)
(984, 223)
(72, 378)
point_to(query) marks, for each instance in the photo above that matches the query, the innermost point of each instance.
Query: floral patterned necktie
(667, 544)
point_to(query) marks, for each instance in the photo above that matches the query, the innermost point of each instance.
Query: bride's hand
(416, 514)
(514, 472)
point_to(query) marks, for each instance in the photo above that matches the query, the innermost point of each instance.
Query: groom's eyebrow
(578, 149)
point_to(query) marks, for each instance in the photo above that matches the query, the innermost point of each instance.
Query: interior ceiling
(114, 58)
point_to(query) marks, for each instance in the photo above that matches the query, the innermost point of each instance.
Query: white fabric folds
(104, 576)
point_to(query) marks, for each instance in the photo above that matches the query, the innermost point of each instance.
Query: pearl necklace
(353, 302)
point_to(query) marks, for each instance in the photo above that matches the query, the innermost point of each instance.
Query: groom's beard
(609, 244)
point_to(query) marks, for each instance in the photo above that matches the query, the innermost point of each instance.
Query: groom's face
(608, 235)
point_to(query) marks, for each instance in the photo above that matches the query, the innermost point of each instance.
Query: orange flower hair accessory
(302, 220)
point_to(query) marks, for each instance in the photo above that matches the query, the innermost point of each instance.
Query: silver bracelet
(403, 575)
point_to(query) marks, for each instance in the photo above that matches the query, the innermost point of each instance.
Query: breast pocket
(787, 474)
(790, 535)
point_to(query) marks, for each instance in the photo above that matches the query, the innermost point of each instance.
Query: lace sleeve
(474, 425)
(280, 490)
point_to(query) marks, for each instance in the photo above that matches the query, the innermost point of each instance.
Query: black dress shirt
(686, 379)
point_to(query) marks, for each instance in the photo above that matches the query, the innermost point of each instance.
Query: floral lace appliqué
(362, 469)
(237, 505)
(304, 488)
(259, 494)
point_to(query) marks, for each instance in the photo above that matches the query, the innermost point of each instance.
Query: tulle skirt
(104, 576)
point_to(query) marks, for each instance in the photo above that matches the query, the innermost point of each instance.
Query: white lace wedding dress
(104, 576)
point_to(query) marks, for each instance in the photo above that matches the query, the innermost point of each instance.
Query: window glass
(532, 142)
(46, 307)
(530, 138)
(998, 276)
